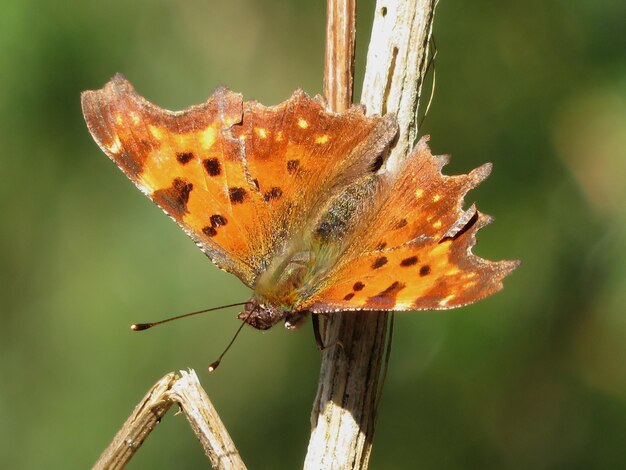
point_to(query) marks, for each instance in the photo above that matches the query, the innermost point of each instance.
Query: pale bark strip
(344, 411)
(184, 389)
(205, 422)
(396, 64)
(138, 426)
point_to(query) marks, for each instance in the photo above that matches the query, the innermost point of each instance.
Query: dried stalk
(146, 415)
(184, 389)
(339, 56)
(396, 64)
(344, 410)
(205, 422)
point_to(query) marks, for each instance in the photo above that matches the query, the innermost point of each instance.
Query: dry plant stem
(138, 426)
(344, 411)
(184, 389)
(205, 422)
(397, 58)
(339, 57)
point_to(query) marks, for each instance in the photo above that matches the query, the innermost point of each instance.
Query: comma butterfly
(298, 203)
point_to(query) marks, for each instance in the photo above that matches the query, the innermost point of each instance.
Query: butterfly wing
(236, 176)
(412, 250)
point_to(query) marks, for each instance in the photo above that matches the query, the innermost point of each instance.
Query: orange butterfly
(298, 203)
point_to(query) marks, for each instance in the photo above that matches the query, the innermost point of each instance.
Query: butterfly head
(264, 316)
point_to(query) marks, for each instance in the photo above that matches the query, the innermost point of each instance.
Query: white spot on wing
(156, 132)
(207, 138)
(116, 146)
(446, 300)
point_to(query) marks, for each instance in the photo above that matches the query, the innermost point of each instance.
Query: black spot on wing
(184, 157)
(174, 199)
(393, 289)
(209, 231)
(274, 193)
(212, 166)
(293, 165)
(379, 262)
(349, 296)
(386, 299)
(408, 261)
(218, 220)
(236, 195)
(425, 270)
(358, 286)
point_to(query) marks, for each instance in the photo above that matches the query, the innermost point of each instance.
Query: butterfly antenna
(145, 326)
(217, 362)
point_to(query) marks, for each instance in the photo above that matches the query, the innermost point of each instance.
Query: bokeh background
(534, 377)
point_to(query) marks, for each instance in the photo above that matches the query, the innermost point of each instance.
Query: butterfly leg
(315, 320)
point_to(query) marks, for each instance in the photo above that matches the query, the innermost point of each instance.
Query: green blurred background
(534, 377)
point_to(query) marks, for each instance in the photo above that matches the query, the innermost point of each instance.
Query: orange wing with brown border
(413, 251)
(236, 176)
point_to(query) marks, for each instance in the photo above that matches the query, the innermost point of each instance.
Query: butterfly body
(299, 204)
(290, 278)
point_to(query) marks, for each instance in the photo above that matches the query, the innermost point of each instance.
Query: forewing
(238, 177)
(185, 162)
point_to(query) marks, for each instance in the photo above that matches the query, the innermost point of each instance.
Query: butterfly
(300, 203)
